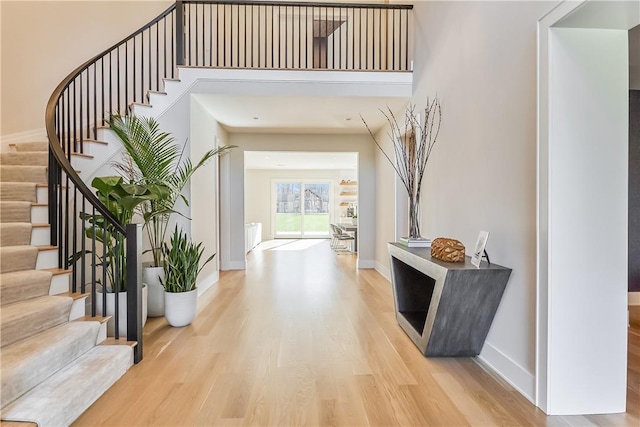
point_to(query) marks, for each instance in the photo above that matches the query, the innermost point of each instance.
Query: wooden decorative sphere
(448, 250)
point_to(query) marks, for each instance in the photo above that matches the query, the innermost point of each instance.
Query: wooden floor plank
(304, 338)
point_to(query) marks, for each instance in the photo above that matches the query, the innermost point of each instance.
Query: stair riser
(47, 259)
(40, 236)
(77, 309)
(40, 214)
(42, 195)
(60, 284)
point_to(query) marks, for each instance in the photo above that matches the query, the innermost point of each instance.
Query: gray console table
(445, 308)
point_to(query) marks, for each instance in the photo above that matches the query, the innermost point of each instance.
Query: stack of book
(420, 242)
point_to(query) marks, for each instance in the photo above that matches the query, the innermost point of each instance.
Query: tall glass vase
(414, 217)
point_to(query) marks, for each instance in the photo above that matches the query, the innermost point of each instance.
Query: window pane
(288, 209)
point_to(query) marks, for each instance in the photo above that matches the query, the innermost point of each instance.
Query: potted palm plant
(181, 268)
(152, 157)
(121, 199)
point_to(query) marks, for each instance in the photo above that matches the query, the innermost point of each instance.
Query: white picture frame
(483, 236)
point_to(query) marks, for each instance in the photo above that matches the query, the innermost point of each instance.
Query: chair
(337, 237)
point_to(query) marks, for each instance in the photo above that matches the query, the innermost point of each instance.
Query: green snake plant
(182, 263)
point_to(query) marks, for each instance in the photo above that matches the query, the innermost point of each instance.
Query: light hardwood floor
(303, 338)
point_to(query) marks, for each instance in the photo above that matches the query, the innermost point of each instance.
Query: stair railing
(294, 35)
(198, 33)
(105, 84)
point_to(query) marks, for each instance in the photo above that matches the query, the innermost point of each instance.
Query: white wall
(232, 176)
(588, 176)
(206, 134)
(43, 41)
(480, 59)
(258, 196)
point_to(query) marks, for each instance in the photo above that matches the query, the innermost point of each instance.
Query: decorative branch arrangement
(412, 145)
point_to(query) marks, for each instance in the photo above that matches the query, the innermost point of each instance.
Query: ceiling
(299, 160)
(295, 114)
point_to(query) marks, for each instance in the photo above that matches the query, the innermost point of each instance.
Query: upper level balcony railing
(300, 36)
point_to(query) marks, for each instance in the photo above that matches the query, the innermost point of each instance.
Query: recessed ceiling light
(256, 118)
(348, 119)
(266, 157)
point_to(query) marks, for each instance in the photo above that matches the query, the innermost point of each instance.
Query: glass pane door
(316, 210)
(302, 209)
(288, 209)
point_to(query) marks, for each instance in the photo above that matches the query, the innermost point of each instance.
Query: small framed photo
(483, 236)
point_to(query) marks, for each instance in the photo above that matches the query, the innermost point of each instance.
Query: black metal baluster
(210, 35)
(406, 41)
(197, 36)
(246, 37)
(83, 261)
(93, 259)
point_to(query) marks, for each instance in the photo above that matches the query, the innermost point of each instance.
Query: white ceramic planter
(155, 302)
(180, 307)
(122, 310)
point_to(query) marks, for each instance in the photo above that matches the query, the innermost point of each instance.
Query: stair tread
(96, 141)
(57, 271)
(74, 295)
(25, 158)
(23, 319)
(89, 318)
(27, 363)
(121, 341)
(46, 247)
(87, 156)
(64, 396)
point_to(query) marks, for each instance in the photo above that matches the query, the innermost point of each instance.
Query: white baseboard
(28, 136)
(208, 282)
(236, 265)
(383, 270)
(521, 379)
(634, 298)
(365, 263)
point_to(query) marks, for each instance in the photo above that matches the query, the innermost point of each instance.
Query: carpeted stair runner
(14, 211)
(52, 369)
(23, 285)
(18, 191)
(18, 258)
(15, 233)
(20, 173)
(100, 367)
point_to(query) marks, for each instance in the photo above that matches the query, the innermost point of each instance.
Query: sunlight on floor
(288, 245)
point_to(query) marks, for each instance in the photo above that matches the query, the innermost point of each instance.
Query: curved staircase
(55, 361)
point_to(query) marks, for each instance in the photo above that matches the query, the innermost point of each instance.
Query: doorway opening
(298, 195)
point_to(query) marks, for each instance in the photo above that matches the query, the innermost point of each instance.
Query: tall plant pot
(152, 276)
(122, 310)
(180, 307)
